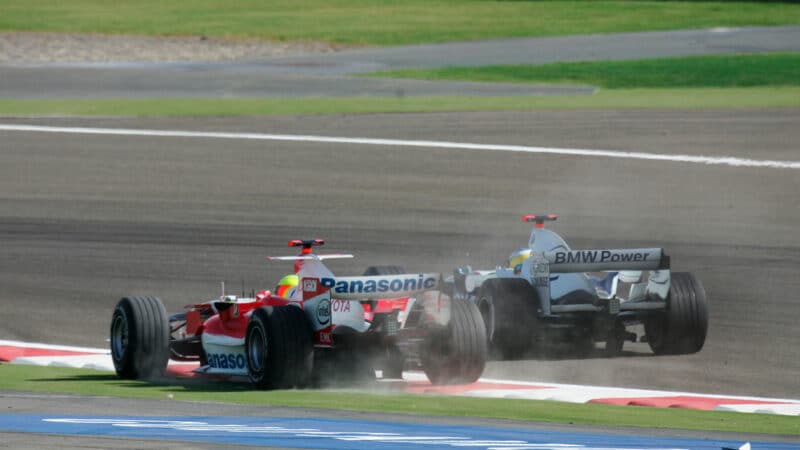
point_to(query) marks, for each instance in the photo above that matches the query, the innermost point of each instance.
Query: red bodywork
(229, 319)
(385, 306)
(233, 319)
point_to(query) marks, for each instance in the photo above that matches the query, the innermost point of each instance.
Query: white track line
(707, 160)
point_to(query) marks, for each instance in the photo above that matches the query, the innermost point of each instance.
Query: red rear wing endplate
(540, 219)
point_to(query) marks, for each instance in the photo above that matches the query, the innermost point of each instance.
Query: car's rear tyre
(384, 270)
(139, 338)
(508, 308)
(278, 347)
(485, 303)
(615, 340)
(458, 355)
(682, 328)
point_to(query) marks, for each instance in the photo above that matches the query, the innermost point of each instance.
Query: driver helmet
(287, 286)
(517, 258)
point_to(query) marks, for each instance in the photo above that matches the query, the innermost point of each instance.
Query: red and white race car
(328, 328)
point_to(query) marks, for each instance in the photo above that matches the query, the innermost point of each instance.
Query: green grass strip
(90, 382)
(376, 22)
(777, 97)
(778, 69)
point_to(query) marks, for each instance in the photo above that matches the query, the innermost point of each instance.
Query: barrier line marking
(695, 159)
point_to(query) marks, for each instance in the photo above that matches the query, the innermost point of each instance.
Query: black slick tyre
(682, 328)
(485, 302)
(278, 347)
(508, 308)
(457, 355)
(615, 341)
(139, 338)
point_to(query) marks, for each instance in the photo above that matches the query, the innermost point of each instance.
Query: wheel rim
(257, 351)
(119, 336)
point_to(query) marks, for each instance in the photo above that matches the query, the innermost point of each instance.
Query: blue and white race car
(550, 293)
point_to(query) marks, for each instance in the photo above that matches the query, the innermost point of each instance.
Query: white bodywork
(331, 301)
(554, 270)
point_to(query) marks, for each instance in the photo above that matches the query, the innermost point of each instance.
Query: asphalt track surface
(87, 219)
(331, 75)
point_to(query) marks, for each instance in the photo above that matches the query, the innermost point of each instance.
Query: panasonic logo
(598, 256)
(379, 285)
(226, 361)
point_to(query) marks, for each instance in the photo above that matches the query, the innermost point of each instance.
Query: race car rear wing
(338, 303)
(380, 286)
(598, 260)
(652, 260)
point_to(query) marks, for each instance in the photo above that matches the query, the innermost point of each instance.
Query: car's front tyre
(139, 338)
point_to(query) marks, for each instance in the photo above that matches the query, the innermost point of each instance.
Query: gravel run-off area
(32, 48)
